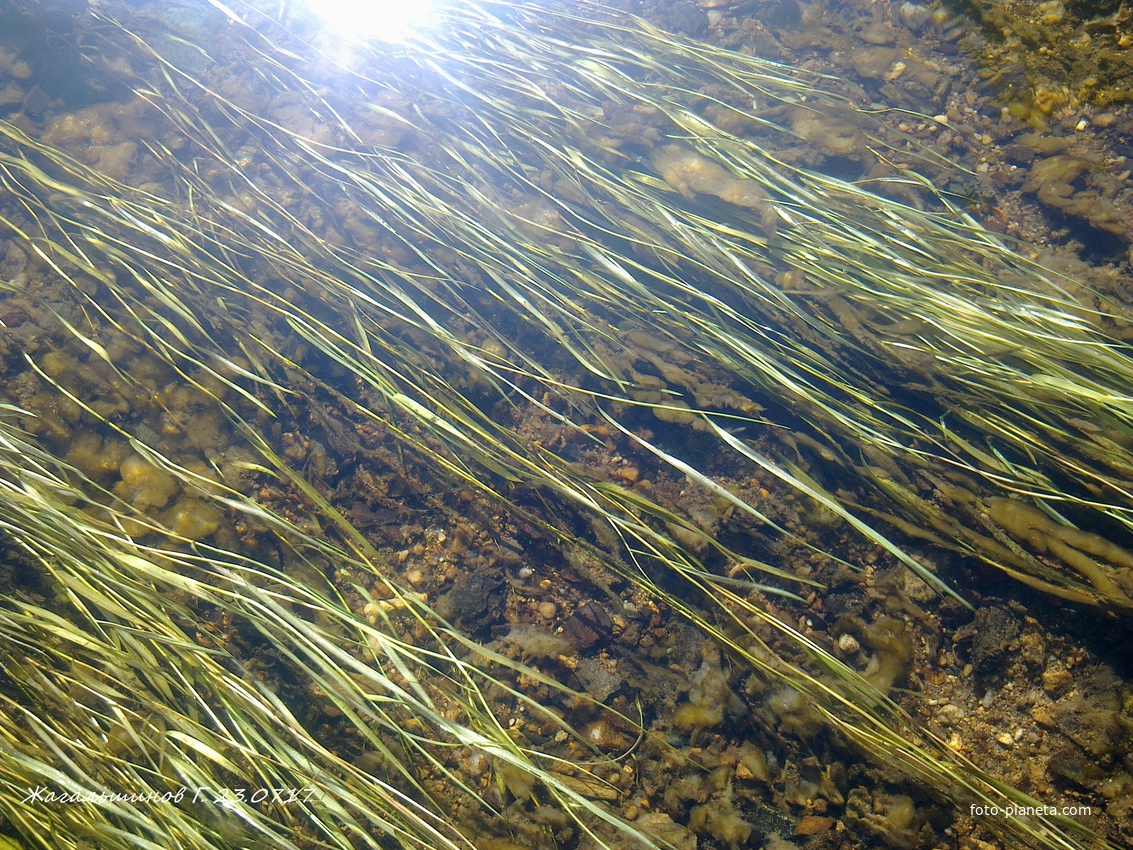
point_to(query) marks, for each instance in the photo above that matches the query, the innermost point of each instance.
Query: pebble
(848, 644)
(950, 714)
(1056, 678)
(895, 71)
(812, 825)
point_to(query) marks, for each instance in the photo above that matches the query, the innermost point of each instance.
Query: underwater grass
(495, 237)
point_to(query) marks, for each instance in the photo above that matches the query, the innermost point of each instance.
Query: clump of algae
(1043, 57)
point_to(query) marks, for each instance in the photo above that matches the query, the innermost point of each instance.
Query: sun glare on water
(380, 20)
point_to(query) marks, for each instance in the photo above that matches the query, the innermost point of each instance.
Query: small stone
(599, 682)
(914, 15)
(1056, 678)
(848, 644)
(588, 626)
(895, 71)
(1005, 738)
(996, 630)
(812, 825)
(950, 714)
(662, 827)
(547, 610)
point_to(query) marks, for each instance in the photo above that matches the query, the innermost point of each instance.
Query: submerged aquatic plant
(529, 213)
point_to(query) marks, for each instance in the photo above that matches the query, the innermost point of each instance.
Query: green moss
(889, 646)
(720, 819)
(1046, 56)
(143, 485)
(708, 698)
